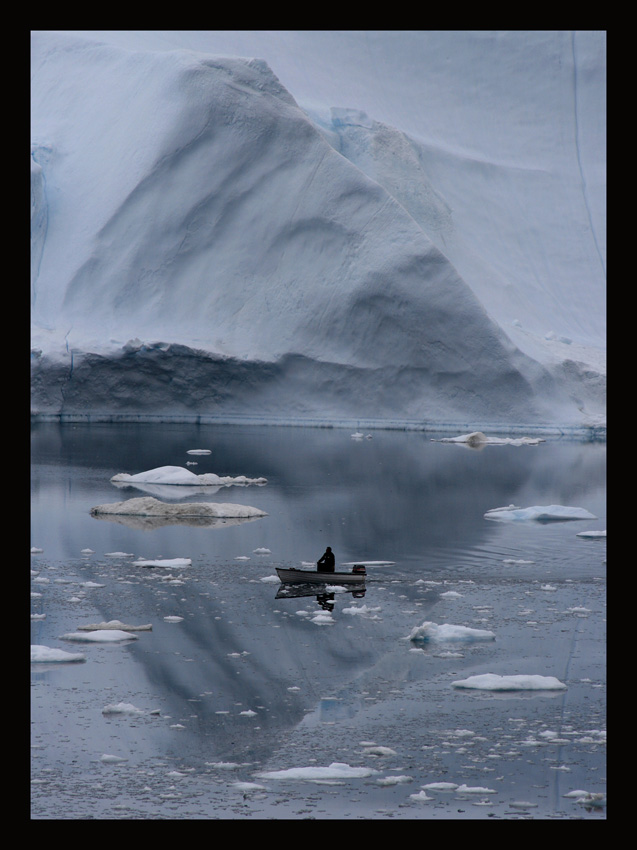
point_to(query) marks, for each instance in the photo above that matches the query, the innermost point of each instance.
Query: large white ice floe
(543, 513)
(180, 477)
(494, 682)
(50, 655)
(169, 563)
(125, 708)
(476, 439)
(432, 632)
(100, 636)
(150, 507)
(336, 770)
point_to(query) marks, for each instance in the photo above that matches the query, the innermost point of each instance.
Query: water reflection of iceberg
(332, 709)
(168, 491)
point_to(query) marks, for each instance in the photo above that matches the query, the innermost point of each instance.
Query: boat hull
(289, 575)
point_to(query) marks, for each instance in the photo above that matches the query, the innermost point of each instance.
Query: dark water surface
(251, 680)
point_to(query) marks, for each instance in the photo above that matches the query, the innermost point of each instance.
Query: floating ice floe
(323, 618)
(100, 636)
(126, 708)
(46, 654)
(541, 513)
(477, 438)
(394, 780)
(245, 787)
(474, 789)
(336, 770)
(518, 561)
(151, 507)
(375, 750)
(587, 798)
(494, 682)
(440, 786)
(180, 477)
(421, 797)
(363, 610)
(448, 633)
(169, 563)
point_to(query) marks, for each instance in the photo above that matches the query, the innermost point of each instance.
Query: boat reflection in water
(324, 597)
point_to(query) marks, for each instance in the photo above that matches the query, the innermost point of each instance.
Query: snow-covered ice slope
(352, 226)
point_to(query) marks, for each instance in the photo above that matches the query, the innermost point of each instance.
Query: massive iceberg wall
(202, 248)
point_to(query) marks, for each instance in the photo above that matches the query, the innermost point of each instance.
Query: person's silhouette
(325, 563)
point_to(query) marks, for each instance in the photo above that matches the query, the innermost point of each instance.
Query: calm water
(250, 679)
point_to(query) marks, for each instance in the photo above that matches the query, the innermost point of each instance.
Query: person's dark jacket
(325, 563)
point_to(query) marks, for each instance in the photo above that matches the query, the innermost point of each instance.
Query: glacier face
(204, 246)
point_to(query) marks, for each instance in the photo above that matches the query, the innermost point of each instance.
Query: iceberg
(180, 477)
(148, 506)
(539, 513)
(147, 513)
(222, 232)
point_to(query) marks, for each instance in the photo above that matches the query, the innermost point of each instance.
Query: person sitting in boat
(325, 563)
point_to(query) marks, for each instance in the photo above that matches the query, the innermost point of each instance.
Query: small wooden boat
(290, 575)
